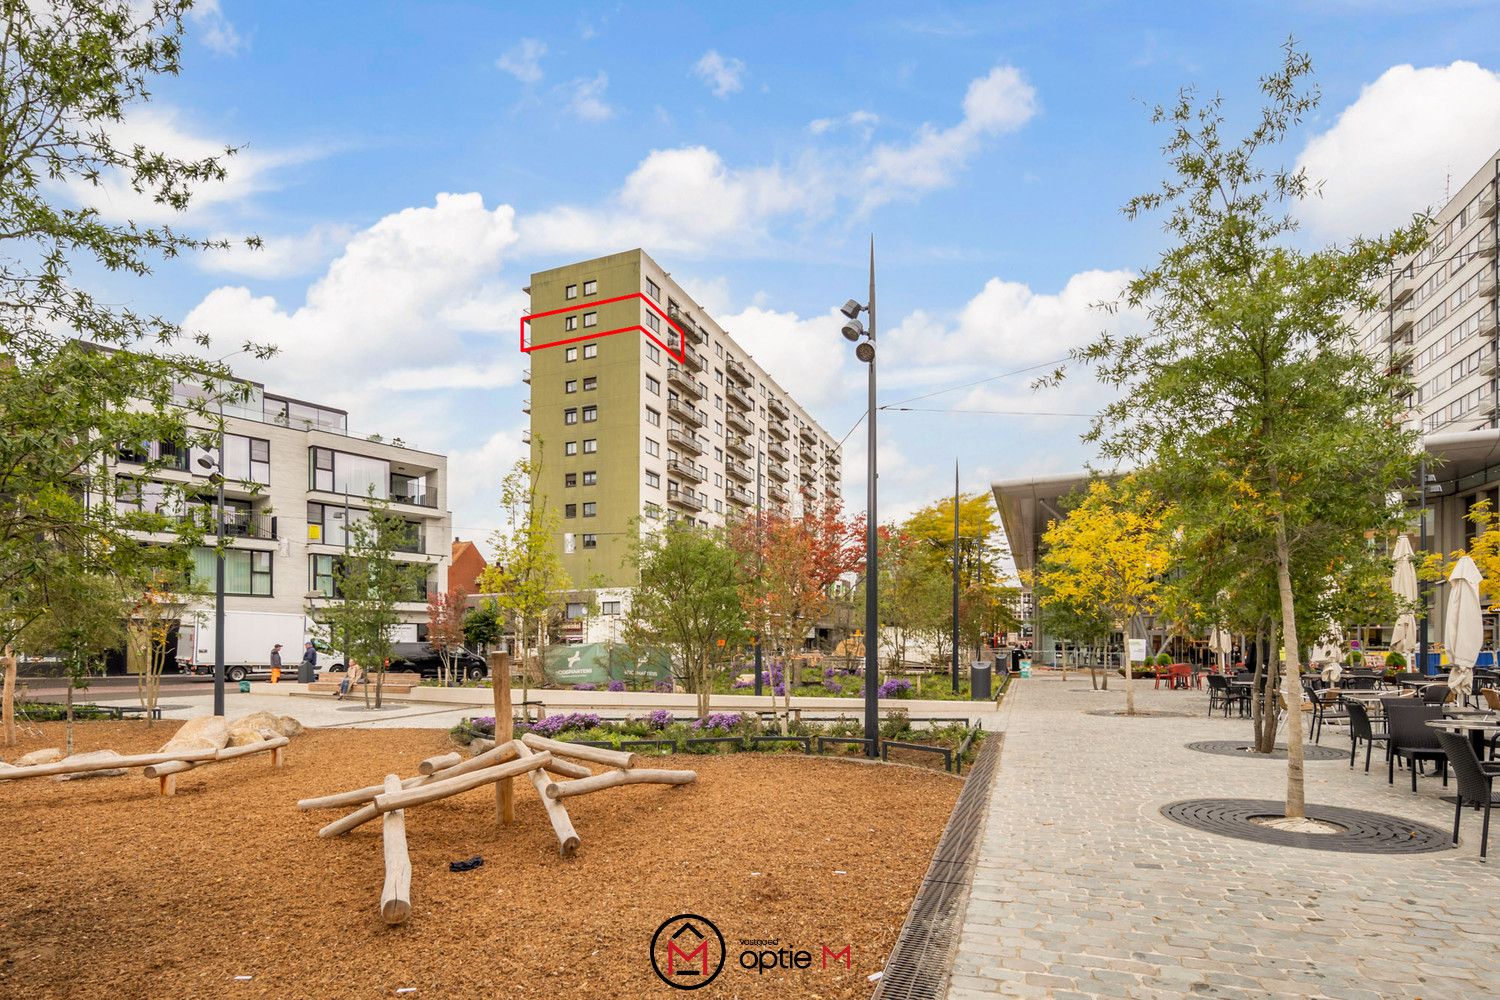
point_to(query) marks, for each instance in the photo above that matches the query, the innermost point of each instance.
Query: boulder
(208, 732)
(242, 734)
(89, 756)
(51, 755)
(277, 725)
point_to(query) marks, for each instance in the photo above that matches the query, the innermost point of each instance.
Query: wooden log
(495, 755)
(167, 784)
(562, 824)
(395, 897)
(409, 797)
(228, 753)
(8, 697)
(505, 793)
(564, 768)
(78, 767)
(609, 779)
(597, 755)
(440, 762)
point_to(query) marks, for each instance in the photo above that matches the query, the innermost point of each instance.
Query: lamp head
(851, 309)
(865, 352)
(853, 330)
(204, 462)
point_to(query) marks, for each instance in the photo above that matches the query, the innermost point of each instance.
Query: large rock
(242, 734)
(208, 732)
(89, 757)
(277, 725)
(51, 755)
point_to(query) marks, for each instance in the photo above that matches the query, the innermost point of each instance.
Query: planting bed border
(885, 751)
(806, 741)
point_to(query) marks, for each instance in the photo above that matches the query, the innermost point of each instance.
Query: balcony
(682, 381)
(808, 473)
(740, 397)
(684, 470)
(777, 408)
(738, 372)
(1486, 283)
(779, 430)
(778, 472)
(424, 498)
(685, 442)
(739, 470)
(241, 525)
(739, 495)
(1403, 287)
(1487, 204)
(1402, 320)
(693, 361)
(694, 334)
(740, 446)
(526, 406)
(778, 450)
(525, 437)
(684, 499)
(685, 413)
(526, 376)
(779, 494)
(808, 435)
(736, 419)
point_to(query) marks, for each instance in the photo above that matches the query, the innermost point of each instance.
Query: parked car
(423, 658)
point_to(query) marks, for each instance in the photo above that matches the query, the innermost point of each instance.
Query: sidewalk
(1084, 890)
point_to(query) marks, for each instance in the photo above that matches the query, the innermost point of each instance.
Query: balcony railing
(685, 442)
(738, 470)
(739, 495)
(425, 498)
(778, 450)
(808, 435)
(682, 411)
(740, 396)
(684, 470)
(778, 494)
(778, 472)
(777, 408)
(262, 528)
(683, 381)
(779, 430)
(740, 446)
(683, 498)
(693, 361)
(738, 372)
(736, 419)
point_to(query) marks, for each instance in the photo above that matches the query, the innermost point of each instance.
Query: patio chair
(1409, 675)
(1475, 783)
(1360, 728)
(1437, 694)
(1411, 739)
(1327, 707)
(1180, 675)
(1361, 682)
(1218, 693)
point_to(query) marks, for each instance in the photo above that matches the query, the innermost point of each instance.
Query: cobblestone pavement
(1084, 890)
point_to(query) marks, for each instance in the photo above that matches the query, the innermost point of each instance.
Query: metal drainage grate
(1362, 832)
(919, 963)
(1245, 751)
(1141, 713)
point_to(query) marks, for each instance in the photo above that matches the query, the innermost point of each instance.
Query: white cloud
(523, 60)
(1000, 102)
(495, 375)
(724, 75)
(1393, 151)
(215, 30)
(806, 356)
(279, 256)
(587, 100)
(474, 482)
(862, 121)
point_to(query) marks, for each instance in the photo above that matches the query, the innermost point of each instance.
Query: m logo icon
(687, 952)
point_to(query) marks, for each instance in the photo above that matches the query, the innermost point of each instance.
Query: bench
(395, 683)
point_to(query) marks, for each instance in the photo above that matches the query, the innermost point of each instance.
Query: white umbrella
(1404, 585)
(1220, 642)
(1329, 655)
(1463, 626)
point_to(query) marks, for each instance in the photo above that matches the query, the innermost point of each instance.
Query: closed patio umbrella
(1463, 626)
(1404, 585)
(1221, 644)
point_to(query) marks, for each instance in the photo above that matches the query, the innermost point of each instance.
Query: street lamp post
(955, 576)
(217, 464)
(854, 331)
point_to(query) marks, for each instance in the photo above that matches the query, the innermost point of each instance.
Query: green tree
(368, 583)
(81, 622)
(526, 575)
(481, 627)
(687, 601)
(1250, 400)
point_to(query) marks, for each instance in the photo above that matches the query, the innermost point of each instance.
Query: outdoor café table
(1242, 686)
(1479, 730)
(1424, 681)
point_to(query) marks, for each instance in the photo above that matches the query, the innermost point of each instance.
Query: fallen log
(434, 764)
(395, 897)
(79, 767)
(495, 755)
(435, 790)
(562, 824)
(228, 753)
(566, 768)
(610, 779)
(597, 755)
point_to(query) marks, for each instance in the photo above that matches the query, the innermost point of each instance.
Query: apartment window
(718, 479)
(718, 350)
(568, 545)
(571, 385)
(652, 479)
(590, 414)
(571, 292)
(654, 353)
(653, 510)
(590, 351)
(652, 448)
(590, 541)
(718, 506)
(590, 287)
(570, 479)
(571, 322)
(570, 510)
(653, 386)
(653, 289)
(652, 321)
(718, 454)
(590, 445)
(570, 448)
(719, 376)
(334, 471)
(590, 477)
(590, 508)
(590, 319)
(570, 354)
(590, 383)
(322, 570)
(718, 429)
(570, 415)
(609, 607)
(652, 417)
(718, 402)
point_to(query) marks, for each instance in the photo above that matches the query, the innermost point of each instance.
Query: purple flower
(659, 719)
(832, 686)
(585, 686)
(662, 687)
(617, 685)
(554, 724)
(780, 689)
(719, 720)
(894, 688)
(827, 671)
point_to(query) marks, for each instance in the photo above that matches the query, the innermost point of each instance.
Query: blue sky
(409, 165)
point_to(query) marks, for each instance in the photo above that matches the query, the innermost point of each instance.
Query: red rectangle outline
(679, 354)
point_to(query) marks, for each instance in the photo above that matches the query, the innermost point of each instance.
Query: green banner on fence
(601, 662)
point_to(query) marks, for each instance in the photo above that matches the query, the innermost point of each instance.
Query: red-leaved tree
(445, 626)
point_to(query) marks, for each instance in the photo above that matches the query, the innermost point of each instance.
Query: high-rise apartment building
(624, 436)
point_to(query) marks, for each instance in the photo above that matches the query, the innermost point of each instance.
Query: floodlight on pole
(853, 330)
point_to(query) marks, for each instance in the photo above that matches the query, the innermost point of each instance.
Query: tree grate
(1245, 750)
(1362, 832)
(919, 963)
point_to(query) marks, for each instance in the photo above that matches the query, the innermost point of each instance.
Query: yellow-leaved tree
(1105, 559)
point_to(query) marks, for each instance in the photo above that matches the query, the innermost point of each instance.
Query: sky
(408, 166)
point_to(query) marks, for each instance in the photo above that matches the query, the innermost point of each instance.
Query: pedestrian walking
(309, 663)
(276, 663)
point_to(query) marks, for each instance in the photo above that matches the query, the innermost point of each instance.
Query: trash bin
(979, 681)
(305, 673)
(244, 687)
(1025, 668)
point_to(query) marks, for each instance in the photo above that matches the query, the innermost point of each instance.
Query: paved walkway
(1085, 890)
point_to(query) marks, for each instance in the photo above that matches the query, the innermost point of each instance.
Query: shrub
(1395, 660)
(659, 719)
(720, 721)
(1164, 659)
(1354, 658)
(742, 684)
(555, 724)
(663, 687)
(896, 687)
(617, 685)
(896, 725)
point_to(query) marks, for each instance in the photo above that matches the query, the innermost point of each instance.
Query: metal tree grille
(919, 963)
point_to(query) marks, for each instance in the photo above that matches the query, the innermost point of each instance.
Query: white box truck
(248, 638)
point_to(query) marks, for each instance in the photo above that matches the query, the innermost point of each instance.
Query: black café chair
(1437, 694)
(1360, 682)
(1360, 728)
(1475, 782)
(1327, 707)
(1410, 738)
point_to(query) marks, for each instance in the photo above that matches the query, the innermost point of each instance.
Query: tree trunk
(1257, 702)
(1129, 680)
(8, 710)
(1065, 659)
(703, 685)
(1292, 677)
(70, 718)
